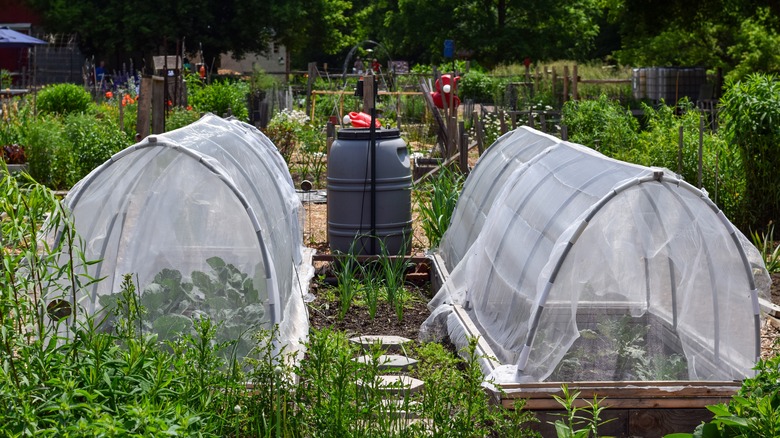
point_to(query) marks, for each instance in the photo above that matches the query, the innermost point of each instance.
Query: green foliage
(260, 81)
(437, 202)
(347, 268)
(179, 117)
(478, 86)
(753, 412)
(457, 405)
(222, 294)
(93, 142)
(573, 423)
(5, 79)
(757, 45)
(221, 98)
(602, 125)
(285, 130)
(49, 153)
(623, 342)
(770, 253)
(750, 112)
(63, 99)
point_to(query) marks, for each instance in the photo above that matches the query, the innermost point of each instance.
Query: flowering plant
(14, 154)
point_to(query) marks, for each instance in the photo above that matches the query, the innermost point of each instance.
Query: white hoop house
(575, 266)
(206, 219)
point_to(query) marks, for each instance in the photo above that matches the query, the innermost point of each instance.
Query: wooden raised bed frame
(636, 409)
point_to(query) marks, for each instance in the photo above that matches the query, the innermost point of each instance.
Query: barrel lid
(365, 133)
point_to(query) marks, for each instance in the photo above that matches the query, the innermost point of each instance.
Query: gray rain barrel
(349, 192)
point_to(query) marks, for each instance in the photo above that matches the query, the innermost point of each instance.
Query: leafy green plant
(284, 131)
(393, 271)
(477, 86)
(222, 294)
(457, 405)
(437, 203)
(178, 117)
(601, 124)
(63, 99)
(573, 423)
(346, 267)
(220, 97)
(49, 153)
(750, 110)
(93, 141)
(765, 243)
(5, 79)
(752, 412)
(371, 286)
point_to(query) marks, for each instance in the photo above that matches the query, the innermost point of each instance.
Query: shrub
(179, 117)
(477, 86)
(49, 153)
(93, 142)
(220, 98)
(750, 115)
(602, 125)
(63, 99)
(285, 129)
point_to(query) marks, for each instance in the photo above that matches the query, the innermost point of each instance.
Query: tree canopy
(736, 35)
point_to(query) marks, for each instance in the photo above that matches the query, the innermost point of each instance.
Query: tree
(118, 29)
(311, 28)
(713, 33)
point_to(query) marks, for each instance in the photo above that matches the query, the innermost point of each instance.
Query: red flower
(189, 107)
(109, 95)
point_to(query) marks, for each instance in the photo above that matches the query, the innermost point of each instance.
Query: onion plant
(436, 202)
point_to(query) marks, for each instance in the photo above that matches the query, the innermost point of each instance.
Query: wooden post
(680, 150)
(158, 104)
(397, 110)
(452, 134)
(368, 93)
(121, 112)
(565, 83)
(536, 79)
(701, 147)
(554, 81)
(144, 108)
(480, 132)
(463, 148)
(574, 80)
(309, 84)
(502, 122)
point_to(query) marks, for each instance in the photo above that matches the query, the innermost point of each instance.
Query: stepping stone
(401, 409)
(400, 384)
(396, 384)
(391, 361)
(389, 343)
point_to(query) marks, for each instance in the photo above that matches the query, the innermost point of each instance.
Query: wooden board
(649, 423)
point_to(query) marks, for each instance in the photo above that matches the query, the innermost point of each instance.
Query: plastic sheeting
(206, 219)
(575, 266)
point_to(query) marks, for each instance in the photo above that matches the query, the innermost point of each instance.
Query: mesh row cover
(206, 219)
(575, 266)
